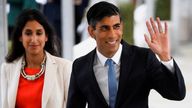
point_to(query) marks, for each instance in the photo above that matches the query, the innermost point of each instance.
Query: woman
(32, 76)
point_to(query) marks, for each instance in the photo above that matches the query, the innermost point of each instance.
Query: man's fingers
(166, 28)
(149, 28)
(147, 39)
(154, 25)
(151, 32)
(159, 25)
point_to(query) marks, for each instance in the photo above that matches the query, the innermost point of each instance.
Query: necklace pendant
(31, 78)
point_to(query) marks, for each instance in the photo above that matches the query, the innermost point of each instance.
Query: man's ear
(122, 24)
(91, 31)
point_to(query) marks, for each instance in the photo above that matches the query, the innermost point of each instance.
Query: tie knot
(109, 62)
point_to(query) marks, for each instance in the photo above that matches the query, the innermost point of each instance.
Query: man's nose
(112, 32)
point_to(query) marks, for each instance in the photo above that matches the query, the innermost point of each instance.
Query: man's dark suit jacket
(140, 72)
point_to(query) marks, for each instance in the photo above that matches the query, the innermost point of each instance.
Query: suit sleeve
(0, 88)
(3, 87)
(169, 84)
(76, 98)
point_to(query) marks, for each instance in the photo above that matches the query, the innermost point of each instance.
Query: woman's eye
(28, 33)
(39, 33)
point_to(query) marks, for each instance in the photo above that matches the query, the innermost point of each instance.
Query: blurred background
(69, 22)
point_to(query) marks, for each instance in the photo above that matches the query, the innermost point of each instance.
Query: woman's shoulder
(9, 67)
(10, 64)
(64, 65)
(61, 60)
(58, 60)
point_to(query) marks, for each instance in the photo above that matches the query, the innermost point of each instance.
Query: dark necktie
(112, 82)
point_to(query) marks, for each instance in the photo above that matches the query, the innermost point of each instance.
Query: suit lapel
(49, 79)
(125, 68)
(13, 84)
(92, 78)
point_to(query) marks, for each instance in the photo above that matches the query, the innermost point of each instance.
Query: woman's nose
(33, 38)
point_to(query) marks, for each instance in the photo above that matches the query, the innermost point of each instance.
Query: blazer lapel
(125, 69)
(13, 83)
(94, 85)
(48, 79)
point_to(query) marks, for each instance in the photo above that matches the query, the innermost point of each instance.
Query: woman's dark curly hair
(17, 49)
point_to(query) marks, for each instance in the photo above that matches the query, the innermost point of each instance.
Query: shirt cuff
(169, 65)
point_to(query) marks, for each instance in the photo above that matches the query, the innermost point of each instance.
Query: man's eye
(104, 28)
(117, 27)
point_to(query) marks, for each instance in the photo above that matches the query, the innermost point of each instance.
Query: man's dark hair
(100, 10)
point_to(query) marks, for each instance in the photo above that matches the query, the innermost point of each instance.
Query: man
(136, 70)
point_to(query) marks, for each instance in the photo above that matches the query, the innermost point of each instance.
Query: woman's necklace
(35, 76)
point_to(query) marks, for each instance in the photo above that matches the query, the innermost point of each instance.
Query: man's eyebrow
(117, 24)
(103, 26)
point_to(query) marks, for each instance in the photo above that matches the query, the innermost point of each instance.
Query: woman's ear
(91, 31)
(20, 38)
(46, 38)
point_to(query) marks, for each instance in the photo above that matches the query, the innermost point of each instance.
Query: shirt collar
(115, 58)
